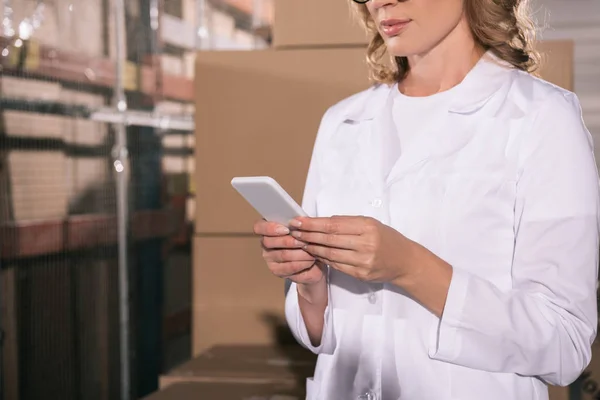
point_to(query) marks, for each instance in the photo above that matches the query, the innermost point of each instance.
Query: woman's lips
(392, 27)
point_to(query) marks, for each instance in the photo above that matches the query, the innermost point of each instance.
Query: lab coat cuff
(298, 326)
(445, 341)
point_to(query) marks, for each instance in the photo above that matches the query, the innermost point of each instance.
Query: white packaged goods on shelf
(189, 64)
(190, 209)
(29, 89)
(177, 163)
(76, 97)
(70, 25)
(244, 38)
(190, 108)
(172, 65)
(221, 23)
(189, 10)
(85, 174)
(39, 189)
(170, 108)
(191, 160)
(225, 43)
(31, 125)
(44, 181)
(178, 32)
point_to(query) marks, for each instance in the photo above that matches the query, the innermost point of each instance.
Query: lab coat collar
(478, 87)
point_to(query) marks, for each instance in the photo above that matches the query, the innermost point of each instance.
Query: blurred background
(127, 263)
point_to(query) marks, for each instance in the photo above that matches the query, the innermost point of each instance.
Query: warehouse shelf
(177, 324)
(36, 238)
(46, 62)
(247, 7)
(45, 107)
(166, 122)
(140, 118)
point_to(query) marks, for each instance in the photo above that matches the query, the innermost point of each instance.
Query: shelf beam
(38, 60)
(31, 239)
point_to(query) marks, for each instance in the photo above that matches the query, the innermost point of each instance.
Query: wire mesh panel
(57, 213)
(96, 193)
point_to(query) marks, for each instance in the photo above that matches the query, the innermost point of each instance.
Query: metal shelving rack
(135, 87)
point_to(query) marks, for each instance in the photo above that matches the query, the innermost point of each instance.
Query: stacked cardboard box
(257, 114)
(225, 391)
(314, 24)
(285, 365)
(236, 372)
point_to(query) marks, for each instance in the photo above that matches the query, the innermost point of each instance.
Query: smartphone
(268, 198)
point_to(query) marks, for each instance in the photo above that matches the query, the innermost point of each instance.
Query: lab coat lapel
(372, 143)
(452, 131)
(370, 116)
(455, 128)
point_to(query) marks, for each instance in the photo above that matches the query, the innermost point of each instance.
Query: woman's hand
(361, 247)
(368, 250)
(285, 256)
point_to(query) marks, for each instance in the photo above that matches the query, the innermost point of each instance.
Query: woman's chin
(400, 47)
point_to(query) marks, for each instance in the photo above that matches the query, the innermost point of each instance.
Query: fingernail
(295, 223)
(296, 234)
(282, 230)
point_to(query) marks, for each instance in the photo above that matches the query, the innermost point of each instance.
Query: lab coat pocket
(411, 351)
(404, 361)
(314, 385)
(311, 391)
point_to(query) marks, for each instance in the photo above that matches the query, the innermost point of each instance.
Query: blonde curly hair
(502, 26)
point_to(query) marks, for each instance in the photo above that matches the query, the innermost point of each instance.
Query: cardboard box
(558, 62)
(257, 113)
(274, 136)
(313, 23)
(286, 366)
(559, 393)
(587, 386)
(225, 391)
(236, 299)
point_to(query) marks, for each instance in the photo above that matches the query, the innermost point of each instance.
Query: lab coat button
(367, 396)
(372, 298)
(377, 202)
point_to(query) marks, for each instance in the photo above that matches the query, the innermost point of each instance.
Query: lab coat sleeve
(309, 204)
(545, 325)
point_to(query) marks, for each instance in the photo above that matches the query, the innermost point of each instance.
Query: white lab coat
(505, 189)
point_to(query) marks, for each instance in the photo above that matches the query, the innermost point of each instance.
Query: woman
(453, 248)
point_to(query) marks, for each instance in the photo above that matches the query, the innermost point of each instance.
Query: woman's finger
(347, 242)
(308, 275)
(290, 269)
(287, 255)
(281, 242)
(333, 254)
(342, 225)
(273, 229)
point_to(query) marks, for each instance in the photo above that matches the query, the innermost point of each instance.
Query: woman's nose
(376, 4)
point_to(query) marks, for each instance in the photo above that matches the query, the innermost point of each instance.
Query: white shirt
(411, 116)
(504, 187)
